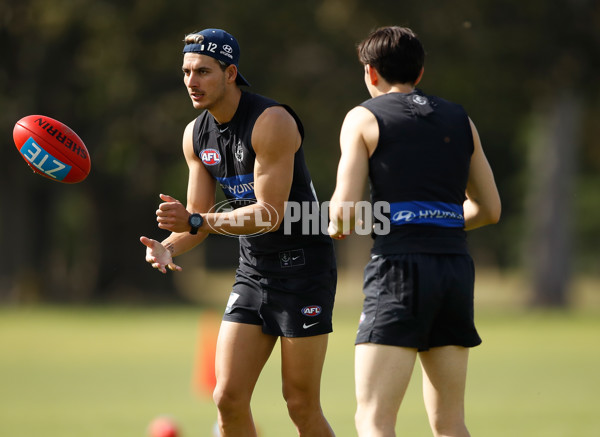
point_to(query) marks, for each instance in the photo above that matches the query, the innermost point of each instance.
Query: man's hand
(335, 231)
(158, 256)
(172, 215)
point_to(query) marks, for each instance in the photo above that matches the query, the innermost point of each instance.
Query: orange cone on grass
(205, 379)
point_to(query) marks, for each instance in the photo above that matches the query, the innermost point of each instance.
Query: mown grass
(87, 372)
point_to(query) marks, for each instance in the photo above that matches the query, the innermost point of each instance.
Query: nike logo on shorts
(305, 326)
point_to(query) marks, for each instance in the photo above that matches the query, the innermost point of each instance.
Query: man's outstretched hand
(158, 256)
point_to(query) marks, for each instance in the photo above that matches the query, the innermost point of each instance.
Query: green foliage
(110, 70)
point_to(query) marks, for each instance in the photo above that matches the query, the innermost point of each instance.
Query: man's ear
(231, 73)
(420, 76)
(373, 75)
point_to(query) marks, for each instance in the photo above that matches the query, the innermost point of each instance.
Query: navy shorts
(292, 306)
(419, 301)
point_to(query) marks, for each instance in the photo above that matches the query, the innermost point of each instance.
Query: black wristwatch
(195, 220)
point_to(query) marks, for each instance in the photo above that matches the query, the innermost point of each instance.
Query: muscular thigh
(242, 351)
(382, 374)
(302, 361)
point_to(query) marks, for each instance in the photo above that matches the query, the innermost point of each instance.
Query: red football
(52, 149)
(163, 427)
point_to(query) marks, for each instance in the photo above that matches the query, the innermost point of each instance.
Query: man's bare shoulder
(277, 127)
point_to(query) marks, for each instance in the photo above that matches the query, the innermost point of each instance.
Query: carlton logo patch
(311, 310)
(420, 100)
(210, 157)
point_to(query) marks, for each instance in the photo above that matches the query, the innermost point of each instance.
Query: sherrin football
(52, 149)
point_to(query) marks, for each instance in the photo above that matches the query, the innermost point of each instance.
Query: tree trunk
(552, 172)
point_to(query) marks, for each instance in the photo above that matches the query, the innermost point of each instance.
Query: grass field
(106, 372)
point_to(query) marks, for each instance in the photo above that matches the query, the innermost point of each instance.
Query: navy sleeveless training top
(420, 167)
(227, 153)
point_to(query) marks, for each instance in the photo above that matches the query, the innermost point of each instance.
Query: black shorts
(419, 301)
(295, 306)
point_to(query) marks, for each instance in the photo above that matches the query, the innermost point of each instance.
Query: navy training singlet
(227, 153)
(420, 167)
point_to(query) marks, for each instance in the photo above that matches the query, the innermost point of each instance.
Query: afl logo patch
(311, 310)
(210, 157)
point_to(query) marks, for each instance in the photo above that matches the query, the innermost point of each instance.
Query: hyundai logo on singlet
(210, 157)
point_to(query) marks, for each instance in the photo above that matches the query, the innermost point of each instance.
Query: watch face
(196, 220)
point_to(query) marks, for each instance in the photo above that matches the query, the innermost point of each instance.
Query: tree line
(525, 73)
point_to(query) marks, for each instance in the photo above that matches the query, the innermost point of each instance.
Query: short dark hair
(194, 38)
(395, 52)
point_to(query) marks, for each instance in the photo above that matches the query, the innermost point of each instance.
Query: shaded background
(526, 72)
